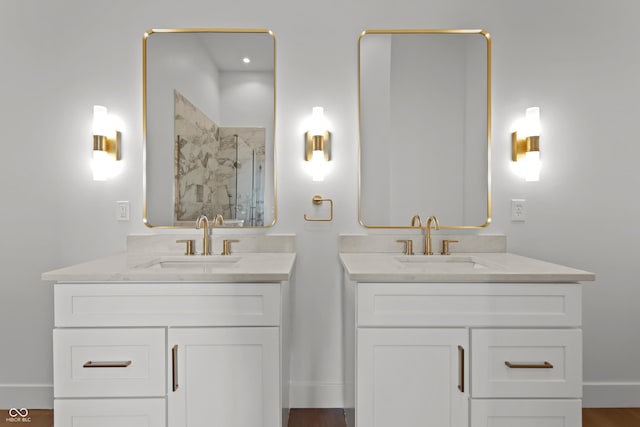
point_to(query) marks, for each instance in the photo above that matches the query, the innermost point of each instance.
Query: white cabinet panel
(109, 413)
(109, 362)
(526, 413)
(176, 304)
(224, 377)
(468, 304)
(411, 377)
(526, 363)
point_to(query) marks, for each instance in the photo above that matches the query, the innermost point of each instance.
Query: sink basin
(446, 263)
(195, 262)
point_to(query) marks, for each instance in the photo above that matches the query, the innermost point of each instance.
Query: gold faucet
(203, 221)
(427, 234)
(218, 220)
(416, 219)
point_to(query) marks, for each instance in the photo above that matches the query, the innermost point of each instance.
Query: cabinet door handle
(461, 369)
(543, 365)
(174, 366)
(95, 364)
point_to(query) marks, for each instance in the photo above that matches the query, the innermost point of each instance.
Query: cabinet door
(412, 377)
(224, 377)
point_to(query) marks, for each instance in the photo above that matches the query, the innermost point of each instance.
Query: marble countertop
(467, 267)
(141, 267)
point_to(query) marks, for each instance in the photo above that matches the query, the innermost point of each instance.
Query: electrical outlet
(122, 211)
(518, 210)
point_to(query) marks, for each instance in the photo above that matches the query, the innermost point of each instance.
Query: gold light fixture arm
(317, 143)
(521, 146)
(318, 200)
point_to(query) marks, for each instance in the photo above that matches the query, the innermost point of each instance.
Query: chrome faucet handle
(445, 247)
(226, 246)
(190, 246)
(408, 246)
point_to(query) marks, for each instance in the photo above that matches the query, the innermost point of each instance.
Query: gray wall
(578, 60)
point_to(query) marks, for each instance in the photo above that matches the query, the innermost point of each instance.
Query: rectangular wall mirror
(425, 127)
(209, 127)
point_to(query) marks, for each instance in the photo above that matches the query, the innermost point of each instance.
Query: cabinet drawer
(161, 304)
(109, 412)
(522, 412)
(526, 363)
(469, 304)
(109, 362)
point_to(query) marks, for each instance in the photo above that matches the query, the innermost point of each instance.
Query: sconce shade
(100, 120)
(318, 122)
(100, 164)
(532, 166)
(318, 166)
(532, 121)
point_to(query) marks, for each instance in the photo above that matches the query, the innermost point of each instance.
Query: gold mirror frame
(488, 107)
(146, 35)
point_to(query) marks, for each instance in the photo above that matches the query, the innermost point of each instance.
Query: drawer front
(469, 304)
(526, 413)
(526, 363)
(109, 412)
(109, 362)
(168, 304)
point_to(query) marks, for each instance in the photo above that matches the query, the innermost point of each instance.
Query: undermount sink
(195, 262)
(445, 263)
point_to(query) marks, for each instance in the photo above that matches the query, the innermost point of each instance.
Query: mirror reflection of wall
(204, 71)
(424, 128)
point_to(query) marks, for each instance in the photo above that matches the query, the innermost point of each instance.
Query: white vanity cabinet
(171, 354)
(463, 354)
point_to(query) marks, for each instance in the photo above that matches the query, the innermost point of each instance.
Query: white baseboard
(30, 396)
(611, 395)
(316, 395)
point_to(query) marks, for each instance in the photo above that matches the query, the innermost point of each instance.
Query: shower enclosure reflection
(218, 170)
(246, 200)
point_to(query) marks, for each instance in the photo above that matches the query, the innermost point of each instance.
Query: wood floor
(609, 417)
(606, 417)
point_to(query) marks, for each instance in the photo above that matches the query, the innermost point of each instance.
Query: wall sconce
(317, 144)
(526, 147)
(106, 144)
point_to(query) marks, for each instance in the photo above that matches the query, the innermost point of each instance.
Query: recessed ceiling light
(246, 60)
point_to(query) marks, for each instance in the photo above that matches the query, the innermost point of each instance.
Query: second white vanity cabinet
(458, 354)
(499, 345)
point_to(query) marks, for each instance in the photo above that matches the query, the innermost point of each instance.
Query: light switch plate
(122, 210)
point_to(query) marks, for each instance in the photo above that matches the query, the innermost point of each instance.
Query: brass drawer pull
(461, 371)
(543, 365)
(119, 364)
(174, 366)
